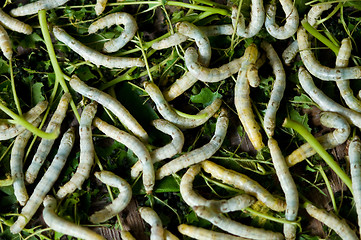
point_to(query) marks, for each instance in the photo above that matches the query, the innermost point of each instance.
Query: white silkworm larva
(33, 8)
(199, 154)
(256, 22)
(46, 182)
(152, 218)
(46, 144)
(291, 24)
(118, 204)
(173, 40)
(112, 104)
(16, 164)
(354, 153)
(12, 130)
(14, 24)
(194, 199)
(338, 225)
(234, 227)
(278, 89)
(93, 56)
(205, 234)
(86, 158)
(181, 85)
(130, 28)
(288, 186)
(169, 114)
(344, 86)
(328, 141)
(133, 144)
(216, 30)
(5, 43)
(167, 151)
(61, 225)
(210, 74)
(318, 70)
(242, 100)
(290, 52)
(244, 183)
(326, 103)
(100, 6)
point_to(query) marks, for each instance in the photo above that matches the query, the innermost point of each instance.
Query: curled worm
(205, 234)
(354, 153)
(14, 24)
(33, 8)
(5, 43)
(151, 217)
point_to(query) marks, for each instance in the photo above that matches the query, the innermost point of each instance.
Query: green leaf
(37, 93)
(205, 97)
(4, 66)
(303, 101)
(84, 73)
(303, 119)
(168, 184)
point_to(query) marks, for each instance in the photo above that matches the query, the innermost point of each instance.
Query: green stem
(54, 62)
(198, 7)
(15, 96)
(319, 149)
(145, 57)
(329, 189)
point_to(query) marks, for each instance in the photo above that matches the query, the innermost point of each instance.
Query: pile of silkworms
(150, 165)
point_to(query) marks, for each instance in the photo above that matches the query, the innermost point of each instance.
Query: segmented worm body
(133, 144)
(100, 6)
(46, 182)
(63, 226)
(199, 154)
(5, 43)
(46, 144)
(328, 141)
(16, 164)
(234, 227)
(167, 151)
(86, 159)
(256, 22)
(125, 235)
(288, 186)
(338, 225)
(241, 181)
(354, 153)
(14, 24)
(252, 71)
(169, 114)
(290, 52)
(93, 56)
(205, 234)
(326, 103)
(151, 217)
(279, 86)
(130, 28)
(33, 8)
(194, 199)
(112, 104)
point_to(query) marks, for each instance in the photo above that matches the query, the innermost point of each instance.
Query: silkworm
(169, 114)
(256, 22)
(291, 24)
(112, 104)
(216, 30)
(5, 43)
(241, 181)
(209, 74)
(200, 154)
(93, 56)
(46, 182)
(33, 8)
(205, 234)
(133, 144)
(181, 85)
(194, 199)
(14, 24)
(46, 144)
(338, 225)
(125, 235)
(242, 99)
(61, 225)
(290, 52)
(278, 89)
(9, 131)
(323, 101)
(119, 18)
(252, 71)
(16, 164)
(167, 151)
(318, 70)
(288, 186)
(152, 218)
(354, 153)
(328, 141)
(173, 40)
(234, 227)
(118, 204)
(86, 158)
(100, 6)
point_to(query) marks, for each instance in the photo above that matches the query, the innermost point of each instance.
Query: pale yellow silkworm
(61, 225)
(118, 204)
(34, 7)
(199, 154)
(14, 24)
(156, 227)
(125, 235)
(100, 6)
(354, 153)
(205, 234)
(5, 43)
(241, 181)
(46, 182)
